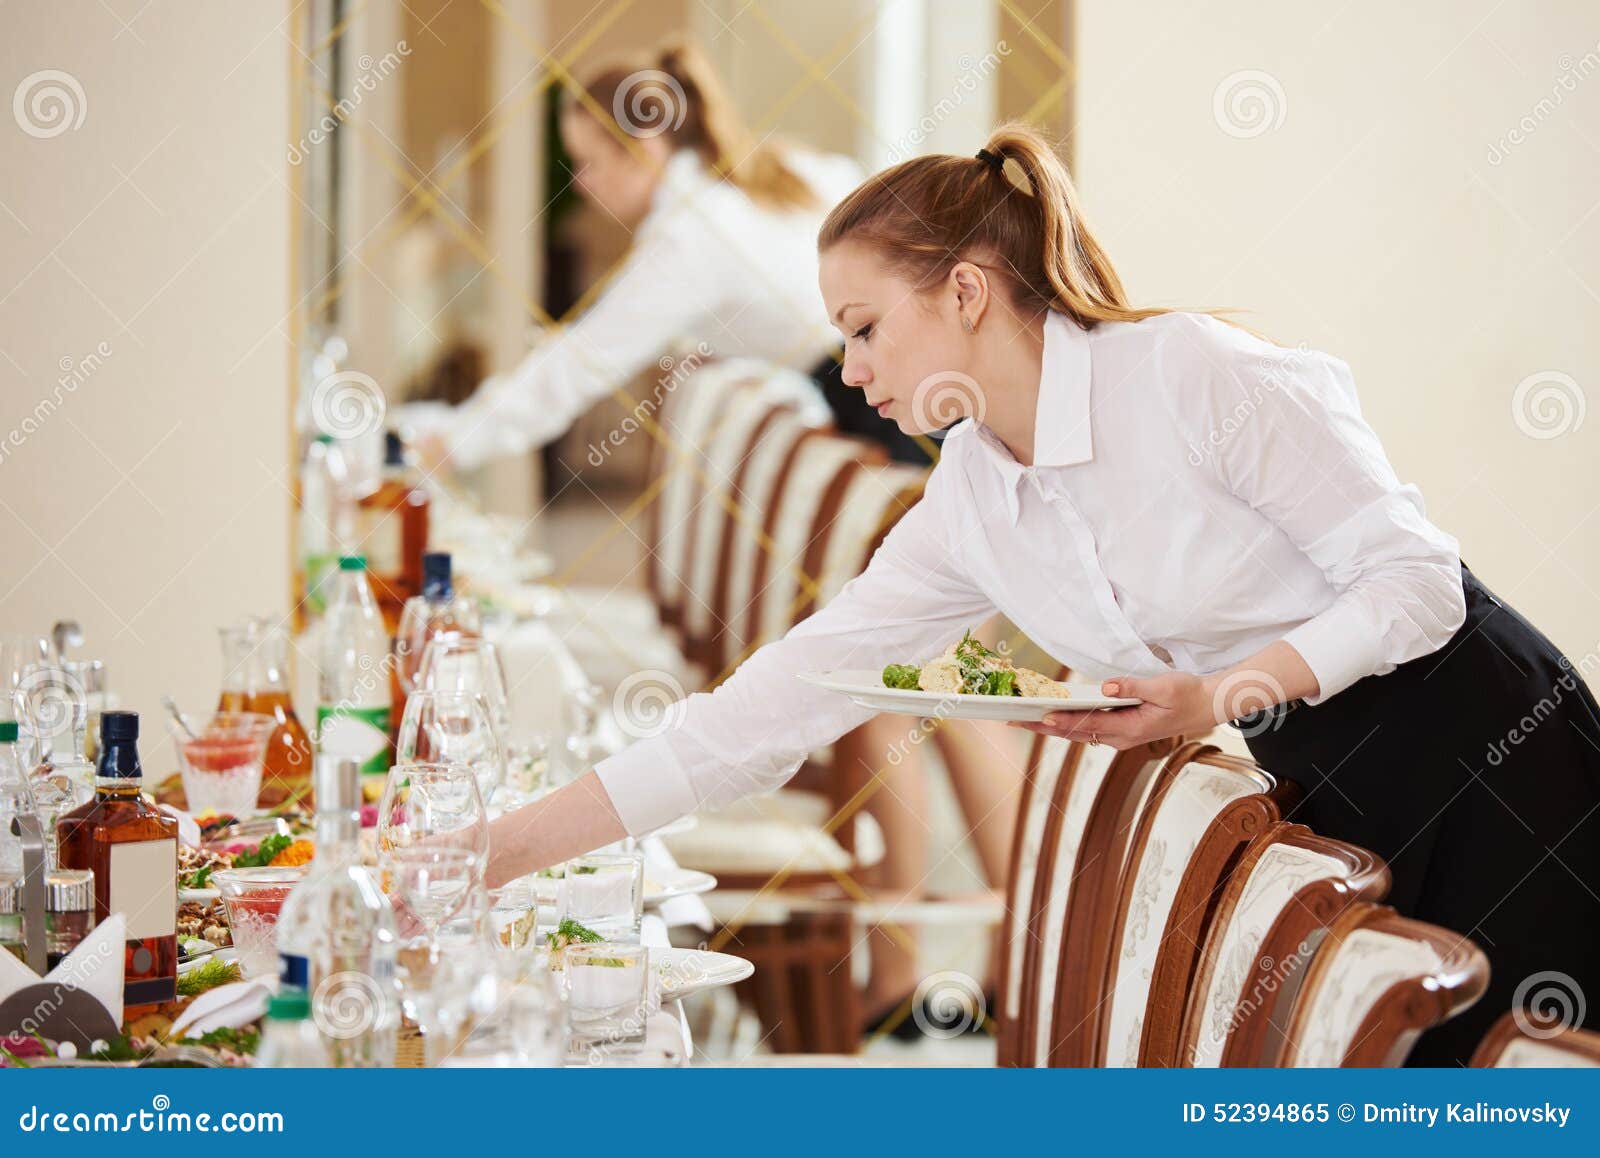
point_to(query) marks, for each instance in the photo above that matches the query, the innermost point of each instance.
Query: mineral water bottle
(336, 933)
(289, 1038)
(353, 700)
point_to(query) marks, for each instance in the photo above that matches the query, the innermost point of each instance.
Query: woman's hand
(1174, 705)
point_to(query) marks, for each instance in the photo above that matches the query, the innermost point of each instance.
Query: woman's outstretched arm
(567, 823)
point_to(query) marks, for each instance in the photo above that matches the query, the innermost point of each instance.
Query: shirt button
(1161, 653)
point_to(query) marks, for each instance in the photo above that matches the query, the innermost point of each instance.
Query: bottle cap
(323, 438)
(10, 895)
(116, 727)
(436, 583)
(394, 451)
(338, 783)
(352, 562)
(69, 891)
(8, 731)
(289, 1005)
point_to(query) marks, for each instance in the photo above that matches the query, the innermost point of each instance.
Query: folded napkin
(225, 1007)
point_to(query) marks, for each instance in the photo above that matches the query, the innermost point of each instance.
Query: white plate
(866, 688)
(664, 884)
(685, 971)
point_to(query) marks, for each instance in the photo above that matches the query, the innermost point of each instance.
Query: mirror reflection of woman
(1195, 516)
(722, 257)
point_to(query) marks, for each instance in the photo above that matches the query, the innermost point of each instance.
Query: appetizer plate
(866, 688)
(662, 884)
(681, 972)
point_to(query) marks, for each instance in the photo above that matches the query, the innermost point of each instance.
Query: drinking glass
(514, 915)
(51, 708)
(253, 899)
(608, 988)
(435, 805)
(20, 655)
(221, 765)
(468, 664)
(449, 727)
(434, 884)
(605, 892)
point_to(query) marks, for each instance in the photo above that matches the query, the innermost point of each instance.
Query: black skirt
(852, 415)
(1475, 772)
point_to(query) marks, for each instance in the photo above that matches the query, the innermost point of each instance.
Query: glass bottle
(353, 690)
(437, 612)
(392, 528)
(132, 849)
(289, 1038)
(69, 912)
(255, 679)
(16, 798)
(336, 933)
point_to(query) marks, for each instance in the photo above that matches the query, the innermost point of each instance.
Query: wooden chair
(1083, 813)
(1376, 981)
(1288, 886)
(1203, 809)
(1510, 1045)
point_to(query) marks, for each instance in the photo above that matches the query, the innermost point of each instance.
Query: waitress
(723, 258)
(1199, 518)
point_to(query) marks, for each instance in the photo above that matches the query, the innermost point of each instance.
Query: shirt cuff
(647, 785)
(1339, 648)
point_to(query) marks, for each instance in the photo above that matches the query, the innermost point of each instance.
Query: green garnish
(584, 870)
(243, 1041)
(569, 931)
(902, 675)
(976, 678)
(263, 852)
(201, 877)
(207, 976)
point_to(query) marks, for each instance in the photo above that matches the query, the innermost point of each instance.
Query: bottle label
(360, 734)
(144, 887)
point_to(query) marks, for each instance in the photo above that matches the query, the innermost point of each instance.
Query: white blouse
(707, 265)
(1198, 494)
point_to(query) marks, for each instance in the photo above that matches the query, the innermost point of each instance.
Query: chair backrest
(688, 419)
(1375, 982)
(1089, 819)
(717, 509)
(1200, 814)
(1517, 1041)
(873, 501)
(747, 537)
(1288, 883)
(802, 516)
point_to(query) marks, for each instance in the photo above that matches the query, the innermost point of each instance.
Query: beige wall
(151, 500)
(1376, 221)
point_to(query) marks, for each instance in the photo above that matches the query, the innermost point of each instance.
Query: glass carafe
(255, 679)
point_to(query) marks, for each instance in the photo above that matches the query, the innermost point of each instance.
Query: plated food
(969, 668)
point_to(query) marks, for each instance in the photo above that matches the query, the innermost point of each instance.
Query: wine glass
(468, 664)
(434, 883)
(411, 640)
(434, 806)
(441, 727)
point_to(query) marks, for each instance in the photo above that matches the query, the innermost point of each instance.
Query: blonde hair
(679, 96)
(1014, 209)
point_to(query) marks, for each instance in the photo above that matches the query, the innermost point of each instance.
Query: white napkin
(225, 1007)
(675, 911)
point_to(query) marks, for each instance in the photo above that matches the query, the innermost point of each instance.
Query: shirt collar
(1062, 435)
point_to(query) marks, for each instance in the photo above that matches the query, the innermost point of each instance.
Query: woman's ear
(971, 286)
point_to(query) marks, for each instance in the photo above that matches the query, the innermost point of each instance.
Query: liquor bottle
(289, 1038)
(254, 679)
(353, 690)
(132, 849)
(392, 528)
(336, 933)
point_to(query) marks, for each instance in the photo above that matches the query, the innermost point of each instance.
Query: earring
(966, 323)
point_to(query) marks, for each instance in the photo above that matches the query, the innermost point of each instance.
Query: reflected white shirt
(1198, 494)
(708, 268)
